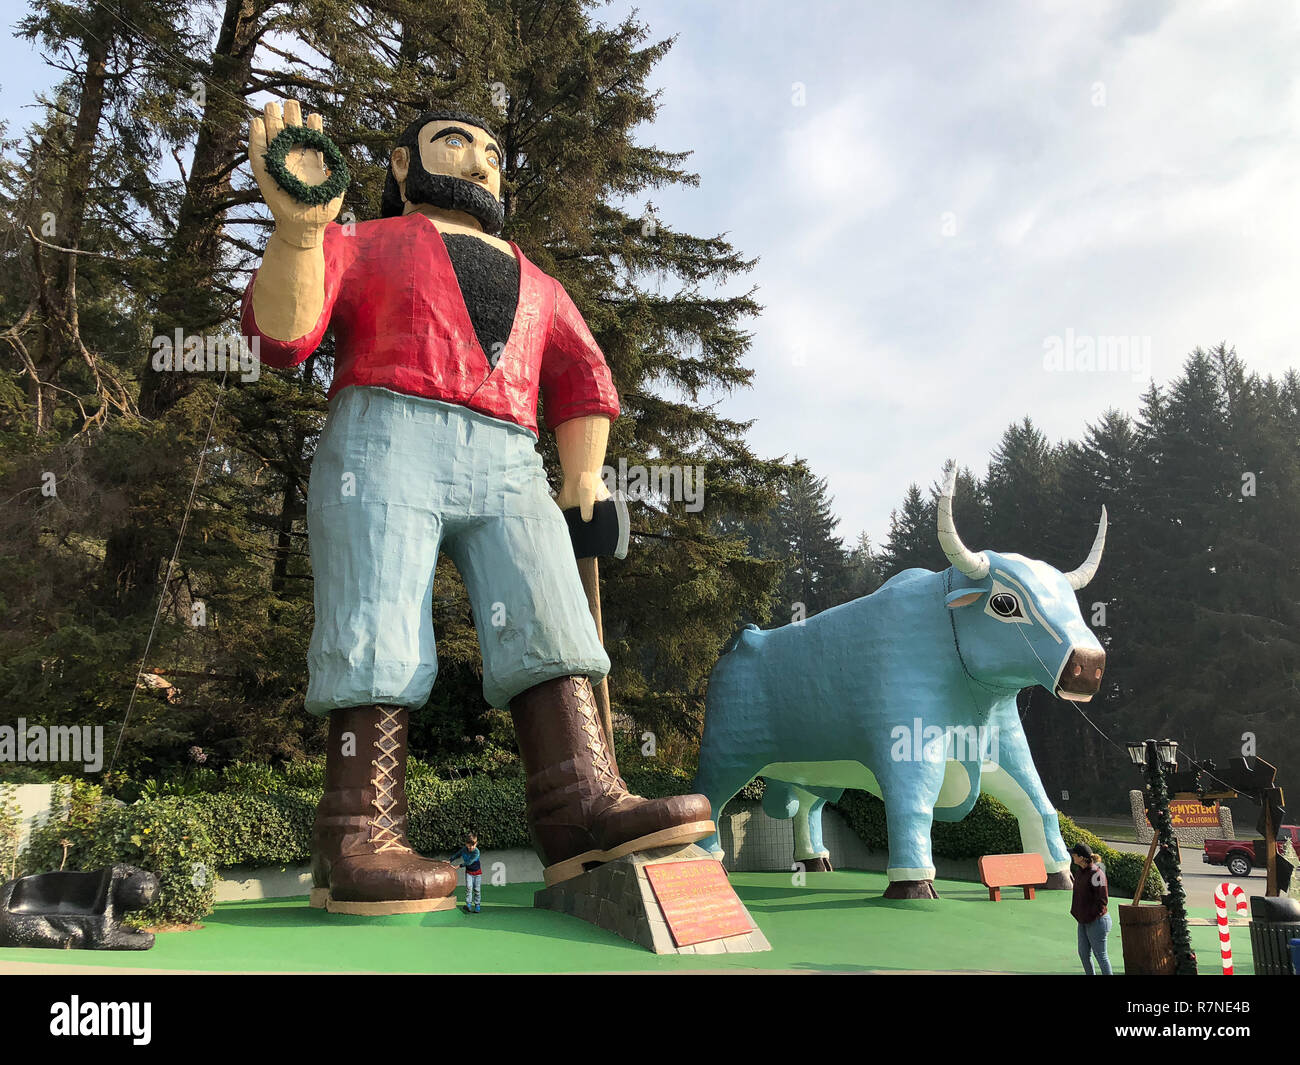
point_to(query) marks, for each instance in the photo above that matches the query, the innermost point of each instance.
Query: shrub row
(990, 828)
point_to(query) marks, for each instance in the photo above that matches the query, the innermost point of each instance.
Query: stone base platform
(619, 898)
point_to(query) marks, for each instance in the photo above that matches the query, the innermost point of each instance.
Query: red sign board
(698, 901)
(1188, 813)
(1008, 870)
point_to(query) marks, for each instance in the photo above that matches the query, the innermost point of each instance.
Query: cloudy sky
(955, 204)
(943, 195)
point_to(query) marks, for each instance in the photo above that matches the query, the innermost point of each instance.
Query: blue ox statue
(908, 693)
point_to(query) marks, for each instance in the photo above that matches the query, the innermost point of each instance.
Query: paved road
(1199, 879)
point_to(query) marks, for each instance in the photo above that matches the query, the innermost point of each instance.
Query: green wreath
(303, 137)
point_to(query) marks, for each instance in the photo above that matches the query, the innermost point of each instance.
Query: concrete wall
(756, 843)
(33, 808)
(245, 883)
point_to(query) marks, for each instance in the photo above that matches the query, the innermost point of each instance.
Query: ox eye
(1005, 605)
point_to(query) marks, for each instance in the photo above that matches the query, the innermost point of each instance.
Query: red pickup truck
(1242, 855)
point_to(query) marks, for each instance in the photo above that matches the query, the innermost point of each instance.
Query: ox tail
(737, 636)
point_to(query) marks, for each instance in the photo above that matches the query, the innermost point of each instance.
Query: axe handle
(589, 571)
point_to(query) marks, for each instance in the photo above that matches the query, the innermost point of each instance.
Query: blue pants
(1092, 940)
(473, 889)
(395, 478)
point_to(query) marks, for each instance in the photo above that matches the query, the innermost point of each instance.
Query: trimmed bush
(1122, 868)
(256, 828)
(272, 826)
(9, 830)
(443, 811)
(990, 828)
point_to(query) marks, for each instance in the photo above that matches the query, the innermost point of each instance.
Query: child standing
(468, 856)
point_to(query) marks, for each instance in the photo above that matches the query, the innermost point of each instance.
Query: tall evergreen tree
(801, 533)
(569, 95)
(911, 540)
(864, 569)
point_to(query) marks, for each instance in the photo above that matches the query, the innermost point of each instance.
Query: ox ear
(962, 597)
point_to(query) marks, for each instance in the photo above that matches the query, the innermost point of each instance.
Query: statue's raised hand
(298, 223)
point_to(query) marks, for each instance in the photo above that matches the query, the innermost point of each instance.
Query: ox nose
(1081, 677)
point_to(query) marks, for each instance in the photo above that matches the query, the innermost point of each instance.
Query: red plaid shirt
(400, 322)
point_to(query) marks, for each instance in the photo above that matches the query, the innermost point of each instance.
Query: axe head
(605, 535)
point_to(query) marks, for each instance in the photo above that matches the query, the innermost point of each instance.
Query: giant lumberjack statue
(444, 335)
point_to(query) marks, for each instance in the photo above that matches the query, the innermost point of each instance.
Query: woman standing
(1091, 899)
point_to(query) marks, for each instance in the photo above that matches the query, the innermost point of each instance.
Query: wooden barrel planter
(1147, 940)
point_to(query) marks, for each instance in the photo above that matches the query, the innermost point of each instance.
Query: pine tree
(576, 181)
(913, 537)
(1021, 489)
(801, 533)
(911, 540)
(864, 569)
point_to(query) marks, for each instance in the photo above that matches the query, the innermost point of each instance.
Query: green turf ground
(836, 923)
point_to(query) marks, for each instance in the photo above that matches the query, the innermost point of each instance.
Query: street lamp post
(1157, 759)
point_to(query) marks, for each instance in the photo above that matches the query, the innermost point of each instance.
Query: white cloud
(978, 203)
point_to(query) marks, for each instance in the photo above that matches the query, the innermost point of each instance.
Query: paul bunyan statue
(445, 333)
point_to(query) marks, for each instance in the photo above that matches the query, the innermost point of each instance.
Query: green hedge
(269, 824)
(255, 828)
(990, 828)
(1122, 868)
(273, 827)
(9, 830)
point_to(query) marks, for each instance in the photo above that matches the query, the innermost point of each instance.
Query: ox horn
(1081, 576)
(975, 566)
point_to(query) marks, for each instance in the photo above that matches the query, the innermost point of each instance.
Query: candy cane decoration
(1221, 894)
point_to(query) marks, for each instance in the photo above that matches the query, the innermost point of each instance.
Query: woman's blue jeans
(1092, 940)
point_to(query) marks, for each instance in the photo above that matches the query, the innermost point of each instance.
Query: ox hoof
(1061, 881)
(815, 865)
(911, 889)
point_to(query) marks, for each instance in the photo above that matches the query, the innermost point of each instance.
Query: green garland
(1167, 864)
(303, 137)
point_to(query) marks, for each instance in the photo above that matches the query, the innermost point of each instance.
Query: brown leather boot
(580, 812)
(361, 862)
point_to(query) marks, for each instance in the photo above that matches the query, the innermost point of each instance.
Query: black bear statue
(76, 911)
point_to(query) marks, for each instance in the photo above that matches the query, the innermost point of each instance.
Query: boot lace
(385, 823)
(602, 759)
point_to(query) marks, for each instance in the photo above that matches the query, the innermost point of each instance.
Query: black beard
(454, 194)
